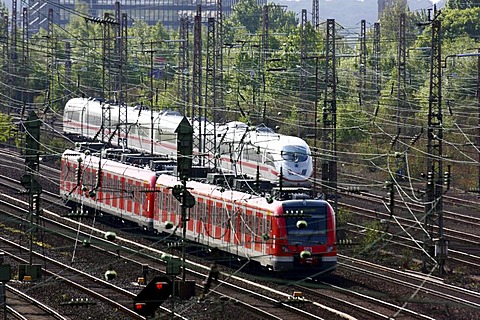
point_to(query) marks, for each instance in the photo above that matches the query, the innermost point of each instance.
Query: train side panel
(254, 229)
(289, 235)
(126, 193)
(270, 153)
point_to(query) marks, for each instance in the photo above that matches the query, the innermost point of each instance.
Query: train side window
(168, 204)
(75, 116)
(133, 130)
(253, 222)
(70, 115)
(238, 219)
(243, 223)
(201, 211)
(138, 194)
(158, 135)
(160, 200)
(269, 159)
(259, 228)
(219, 214)
(225, 216)
(215, 213)
(225, 149)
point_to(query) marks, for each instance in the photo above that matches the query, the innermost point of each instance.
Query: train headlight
(305, 254)
(302, 224)
(329, 248)
(285, 249)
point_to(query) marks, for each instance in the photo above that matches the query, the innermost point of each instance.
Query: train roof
(219, 193)
(168, 121)
(114, 167)
(147, 175)
(260, 136)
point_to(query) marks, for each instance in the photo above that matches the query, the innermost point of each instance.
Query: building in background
(382, 4)
(168, 12)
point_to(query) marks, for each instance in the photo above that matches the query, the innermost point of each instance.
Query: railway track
(405, 242)
(139, 255)
(221, 296)
(21, 306)
(417, 282)
(359, 302)
(460, 237)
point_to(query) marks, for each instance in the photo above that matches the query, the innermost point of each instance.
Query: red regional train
(293, 235)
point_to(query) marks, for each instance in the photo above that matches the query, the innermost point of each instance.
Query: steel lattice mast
(434, 188)
(402, 112)
(329, 137)
(183, 63)
(363, 64)
(315, 14)
(208, 132)
(197, 77)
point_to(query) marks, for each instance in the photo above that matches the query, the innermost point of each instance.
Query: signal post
(34, 190)
(184, 133)
(160, 288)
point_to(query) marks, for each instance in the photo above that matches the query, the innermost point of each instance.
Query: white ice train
(240, 149)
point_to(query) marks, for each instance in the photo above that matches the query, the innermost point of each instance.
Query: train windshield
(306, 225)
(295, 153)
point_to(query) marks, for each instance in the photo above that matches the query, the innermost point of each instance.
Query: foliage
(459, 23)
(462, 4)
(7, 128)
(343, 217)
(372, 237)
(276, 85)
(247, 13)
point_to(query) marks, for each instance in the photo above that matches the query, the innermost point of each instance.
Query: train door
(248, 223)
(137, 199)
(259, 226)
(129, 197)
(218, 219)
(239, 226)
(83, 124)
(228, 222)
(199, 217)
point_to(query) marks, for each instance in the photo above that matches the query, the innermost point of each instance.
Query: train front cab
(304, 237)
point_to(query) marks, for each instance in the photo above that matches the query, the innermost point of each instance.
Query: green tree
(461, 22)
(6, 127)
(462, 4)
(247, 13)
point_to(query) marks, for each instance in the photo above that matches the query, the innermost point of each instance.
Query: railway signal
(152, 296)
(32, 142)
(183, 196)
(32, 163)
(184, 133)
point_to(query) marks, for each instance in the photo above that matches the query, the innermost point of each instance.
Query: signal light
(429, 176)
(152, 296)
(160, 285)
(447, 178)
(139, 306)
